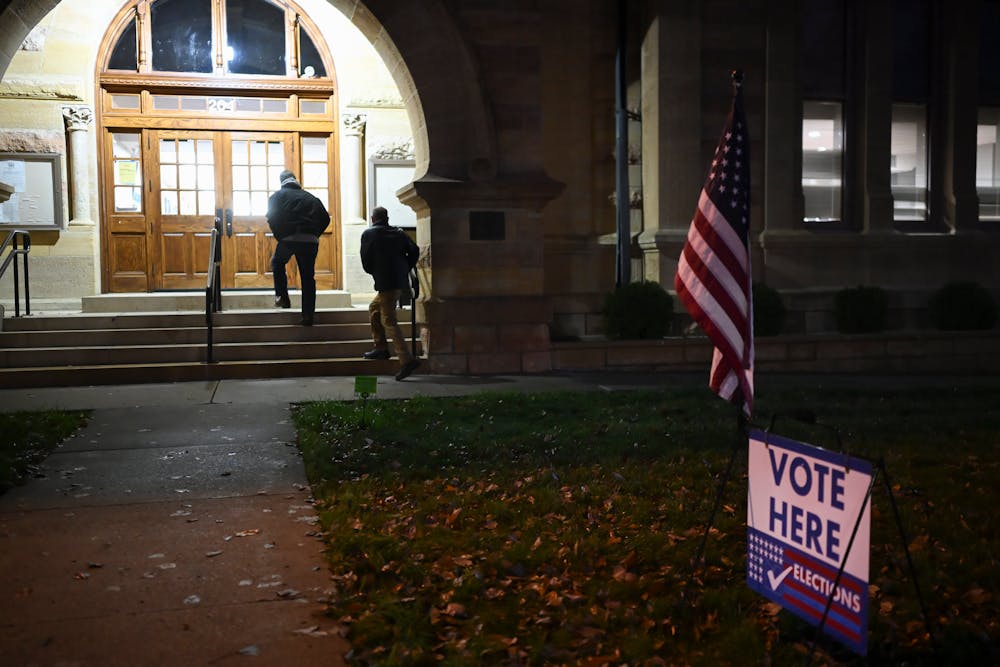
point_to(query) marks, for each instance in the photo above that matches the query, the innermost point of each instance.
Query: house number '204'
(220, 104)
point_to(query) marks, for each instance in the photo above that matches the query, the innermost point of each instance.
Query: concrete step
(102, 348)
(195, 301)
(159, 335)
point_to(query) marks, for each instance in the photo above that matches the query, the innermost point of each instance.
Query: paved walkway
(176, 528)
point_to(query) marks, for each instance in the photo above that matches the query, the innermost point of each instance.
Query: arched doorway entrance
(200, 106)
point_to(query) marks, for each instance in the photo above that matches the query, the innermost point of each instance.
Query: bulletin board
(385, 177)
(37, 199)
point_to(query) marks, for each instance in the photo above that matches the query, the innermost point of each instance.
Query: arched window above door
(239, 38)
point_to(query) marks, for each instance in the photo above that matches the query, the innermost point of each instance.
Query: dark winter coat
(388, 254)
(292, 210)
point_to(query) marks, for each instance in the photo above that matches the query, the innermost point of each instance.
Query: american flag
(713, 275)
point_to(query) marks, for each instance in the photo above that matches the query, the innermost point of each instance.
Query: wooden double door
(197, 180)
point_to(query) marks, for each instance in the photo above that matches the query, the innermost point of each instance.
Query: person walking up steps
(296, 218)
(388, 254)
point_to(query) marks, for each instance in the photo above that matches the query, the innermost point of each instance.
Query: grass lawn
(560, 528)
(26, 438)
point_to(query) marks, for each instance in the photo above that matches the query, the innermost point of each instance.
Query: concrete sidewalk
(177, 529)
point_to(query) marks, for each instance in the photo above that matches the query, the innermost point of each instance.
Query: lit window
(822, 160)
(908, 162)
(988, 164)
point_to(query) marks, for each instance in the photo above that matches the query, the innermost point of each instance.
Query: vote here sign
(802, 505)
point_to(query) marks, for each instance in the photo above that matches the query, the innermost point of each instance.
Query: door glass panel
(275, 153)
(256, 33)
(206, 174)
(314, 175)
(205, 151)
(256, 165)
(168, 202)
(258, 178)
(127, 171)
(258, 203)
(241, 153)
(258, 153)
(241, 203)
(168, 176)
(181, 35)
(314, 149)
(189, 203)
(206, 202)
(241, 178)
(187, 178)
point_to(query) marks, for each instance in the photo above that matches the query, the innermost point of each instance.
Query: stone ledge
(895, 352)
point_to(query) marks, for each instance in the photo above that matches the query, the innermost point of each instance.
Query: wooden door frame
(112, 223)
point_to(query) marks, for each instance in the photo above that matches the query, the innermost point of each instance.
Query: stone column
(874, 117)
(352, 198)
(672, 161)
(352, 162)
(782, 183)
(960, 201)
(78, 119)
(483, 308)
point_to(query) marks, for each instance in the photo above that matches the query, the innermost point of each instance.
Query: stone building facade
(873, 165)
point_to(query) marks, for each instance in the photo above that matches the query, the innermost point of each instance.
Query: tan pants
(382, 315)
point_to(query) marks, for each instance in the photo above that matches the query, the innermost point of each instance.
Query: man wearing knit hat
(296, 218)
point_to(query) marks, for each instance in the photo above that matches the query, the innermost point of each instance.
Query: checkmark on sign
(776, 581)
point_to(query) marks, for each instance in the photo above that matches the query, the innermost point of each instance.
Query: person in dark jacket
(388, 254)
(296, 218)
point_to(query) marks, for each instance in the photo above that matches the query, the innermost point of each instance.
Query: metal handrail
(213, 290)
(11, 240)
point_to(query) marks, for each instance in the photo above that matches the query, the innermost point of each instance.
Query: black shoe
(306, 321)
(282, 302)
(376, 354)
(407, 369)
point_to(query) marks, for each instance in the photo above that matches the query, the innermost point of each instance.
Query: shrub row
(644, 310)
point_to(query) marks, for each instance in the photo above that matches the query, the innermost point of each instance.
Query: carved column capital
(355, 122)
(77, 117)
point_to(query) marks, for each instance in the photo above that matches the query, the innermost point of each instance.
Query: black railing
(213, 289)
(11, 241)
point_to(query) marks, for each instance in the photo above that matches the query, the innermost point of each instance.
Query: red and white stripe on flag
(713, 277)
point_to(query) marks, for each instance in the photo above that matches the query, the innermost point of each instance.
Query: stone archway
(453, 129)
(484, 307)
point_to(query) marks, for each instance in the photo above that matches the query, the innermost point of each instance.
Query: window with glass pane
(822, 160)
(187, 177)
(181, 35)
(256, 167)
(255, 30)
(316, 167)
(123, 56)
(310, 63)
(127, 171)
(908, 161)
(988, 164)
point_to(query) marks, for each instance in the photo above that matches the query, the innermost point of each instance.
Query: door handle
(229, 222)
(218, 219)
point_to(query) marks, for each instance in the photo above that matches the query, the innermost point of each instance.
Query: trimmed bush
(861, 309)
(639, 310)
(963, 306)
(768, 311)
